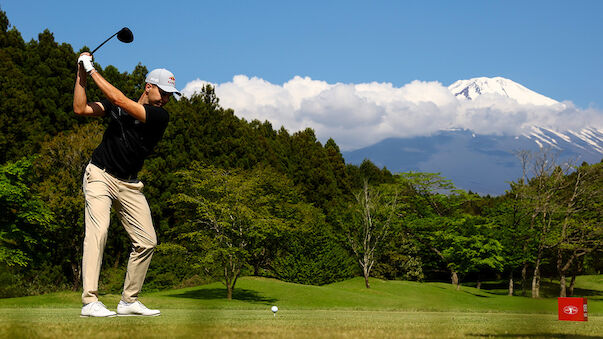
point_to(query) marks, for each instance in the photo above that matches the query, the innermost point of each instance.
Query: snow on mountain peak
(472, 88)
(588, 139)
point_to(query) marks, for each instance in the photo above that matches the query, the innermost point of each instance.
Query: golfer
(135, 127)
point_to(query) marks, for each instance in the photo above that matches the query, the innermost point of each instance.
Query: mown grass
(345, 309)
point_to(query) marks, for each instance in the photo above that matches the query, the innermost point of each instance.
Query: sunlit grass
(65, 322)
(346, 309)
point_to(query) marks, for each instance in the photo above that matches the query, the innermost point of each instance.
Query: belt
(129, 179)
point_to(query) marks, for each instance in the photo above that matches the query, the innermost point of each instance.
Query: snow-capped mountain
(589, 138)
(472, 88)
(479, 162)
(484, 164)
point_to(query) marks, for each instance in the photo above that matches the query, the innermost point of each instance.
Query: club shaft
(99, 46)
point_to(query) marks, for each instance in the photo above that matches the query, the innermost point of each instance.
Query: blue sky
(552, 47)
(357, 71)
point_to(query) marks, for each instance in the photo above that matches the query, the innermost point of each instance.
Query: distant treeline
(231, 197)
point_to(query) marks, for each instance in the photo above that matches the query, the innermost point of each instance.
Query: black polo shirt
(127, 141)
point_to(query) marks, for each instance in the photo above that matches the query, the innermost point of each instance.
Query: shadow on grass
(532, 335)
(551, 290)
(548, 289)
(220, 293)
(476, 295)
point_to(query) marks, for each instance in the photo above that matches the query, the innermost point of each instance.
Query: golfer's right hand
(85, 60)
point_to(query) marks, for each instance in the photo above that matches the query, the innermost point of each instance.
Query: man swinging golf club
(135, 127)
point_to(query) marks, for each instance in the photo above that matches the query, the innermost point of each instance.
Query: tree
(312, 255)
(37, 90)
(231, 217)
(512, 220)
(337, 164)
(470, 245)
(581, 220)
(399, 258)
(370, 224)
(17, 128)
(543, 181)
(24, 218)
(428, 203)
(59, 170)
(311, 170)
(367, 171)
(200, 130)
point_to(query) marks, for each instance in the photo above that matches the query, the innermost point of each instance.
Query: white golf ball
(274, 309)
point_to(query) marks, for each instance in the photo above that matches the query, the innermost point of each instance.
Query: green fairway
(345, 309)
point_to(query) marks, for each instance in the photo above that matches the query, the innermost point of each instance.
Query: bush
(313, 259)
(11, 284)
(46, 279)
(399, 260)
(33, 281)
(169, 268)
(112, 279)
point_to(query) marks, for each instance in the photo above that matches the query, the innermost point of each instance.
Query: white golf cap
(164, 79)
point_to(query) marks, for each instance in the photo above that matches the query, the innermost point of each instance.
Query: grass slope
(259, 293)
(388, 309)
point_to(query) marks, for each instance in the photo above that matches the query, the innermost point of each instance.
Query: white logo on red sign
(570, 309)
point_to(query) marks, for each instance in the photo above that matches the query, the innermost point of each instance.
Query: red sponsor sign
(572, 309)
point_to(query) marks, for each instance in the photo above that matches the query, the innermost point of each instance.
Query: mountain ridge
(483, 163)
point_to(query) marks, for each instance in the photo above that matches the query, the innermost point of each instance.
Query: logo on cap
(172, 80)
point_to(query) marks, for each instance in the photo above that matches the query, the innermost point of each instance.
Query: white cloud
(359, 115)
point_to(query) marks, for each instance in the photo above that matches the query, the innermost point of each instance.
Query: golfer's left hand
(85, 60)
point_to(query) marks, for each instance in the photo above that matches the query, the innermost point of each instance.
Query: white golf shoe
(96, 309)
(135, 309)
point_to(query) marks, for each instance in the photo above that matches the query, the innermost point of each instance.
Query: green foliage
(171, 267)
(558, 204)
(24, 216)
(37, 90)
(273, 203)
(434, 216)
(399, 259)
(313, 258)
(59, 170)
(368, 223)
(200, 130)
(44, 279)
(11, 284)
(18, 127)
(230, 218)
(513, 230)
(111, 279)
(310, 168)
(367, 171)
(469, 246)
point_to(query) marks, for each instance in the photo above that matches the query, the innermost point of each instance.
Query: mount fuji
(484, 163)
(473, 88)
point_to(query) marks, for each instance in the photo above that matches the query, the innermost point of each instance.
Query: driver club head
(125, 35)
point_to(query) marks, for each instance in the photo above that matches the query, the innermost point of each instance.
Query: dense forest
(232, 197)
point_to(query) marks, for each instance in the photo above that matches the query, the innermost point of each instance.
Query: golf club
(124, 35)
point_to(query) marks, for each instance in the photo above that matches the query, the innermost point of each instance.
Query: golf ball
(274, 309)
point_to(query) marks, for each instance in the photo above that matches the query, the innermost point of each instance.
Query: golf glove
(86, 61)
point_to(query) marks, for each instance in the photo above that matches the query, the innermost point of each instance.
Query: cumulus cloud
(359, 115)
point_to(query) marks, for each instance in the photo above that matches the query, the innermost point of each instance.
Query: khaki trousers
(101, 191)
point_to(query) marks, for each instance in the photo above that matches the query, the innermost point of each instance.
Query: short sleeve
(108, 106)
(156, 115)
